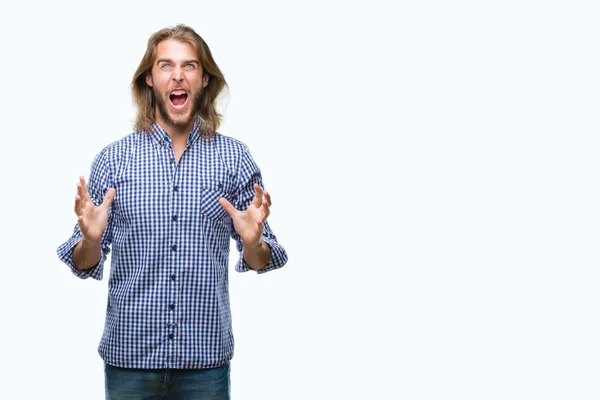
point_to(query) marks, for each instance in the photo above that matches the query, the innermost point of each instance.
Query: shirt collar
(163, 138)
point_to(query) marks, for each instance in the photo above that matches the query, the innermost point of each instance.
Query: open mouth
(178, 97)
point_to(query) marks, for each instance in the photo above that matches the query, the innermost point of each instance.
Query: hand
(249, 224)
(92, 220)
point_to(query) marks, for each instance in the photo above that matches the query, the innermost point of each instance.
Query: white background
(434, 170)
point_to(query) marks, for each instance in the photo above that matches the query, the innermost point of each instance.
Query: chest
(154, 187)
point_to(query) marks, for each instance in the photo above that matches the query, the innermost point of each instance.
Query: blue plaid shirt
(168, 299)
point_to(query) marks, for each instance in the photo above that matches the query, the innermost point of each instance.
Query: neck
(177, 133)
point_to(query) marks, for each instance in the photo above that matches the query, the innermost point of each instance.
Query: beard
(184, 120)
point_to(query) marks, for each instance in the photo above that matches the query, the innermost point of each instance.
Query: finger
(227, 206)
(266, 211)
(258, 194)
(108, 198)
(80, 219)
(79, 210)
(86, 193)
(267, 197)
(80, 195)
(77, 205)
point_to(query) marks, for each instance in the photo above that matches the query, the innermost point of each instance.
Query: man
(167, 198)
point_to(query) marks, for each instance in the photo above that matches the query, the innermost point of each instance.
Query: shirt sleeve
(249, 174)
(97, 184)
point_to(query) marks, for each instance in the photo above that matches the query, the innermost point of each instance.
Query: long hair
(143, 96)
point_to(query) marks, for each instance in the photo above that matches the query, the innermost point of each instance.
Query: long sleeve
(97, 184)
(249, 174)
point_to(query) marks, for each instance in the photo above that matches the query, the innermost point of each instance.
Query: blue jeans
(171, 384)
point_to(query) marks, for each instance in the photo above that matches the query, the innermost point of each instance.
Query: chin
(180, 121)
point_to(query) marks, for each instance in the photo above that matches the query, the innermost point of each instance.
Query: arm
(87, 254)
(83, 259)
(257, 257)
(258, 246)
(92, 222)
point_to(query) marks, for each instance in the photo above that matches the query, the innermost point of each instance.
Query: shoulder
(229, 143)
(117, 148)
(233, 151)
(116, 154)
(239, 154)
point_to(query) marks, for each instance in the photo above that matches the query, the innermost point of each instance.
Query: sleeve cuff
(65, 254)
(278, 258)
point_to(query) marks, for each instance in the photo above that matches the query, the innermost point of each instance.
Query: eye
(165, 66)
(190, 66)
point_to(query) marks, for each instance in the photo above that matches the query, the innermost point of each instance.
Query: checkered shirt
(168, 299)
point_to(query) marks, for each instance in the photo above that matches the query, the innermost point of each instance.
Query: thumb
(108, 198)
(227, 206)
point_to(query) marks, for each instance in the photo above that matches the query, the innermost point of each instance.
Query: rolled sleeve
(278, 254)
(65, 254)
(249, 174)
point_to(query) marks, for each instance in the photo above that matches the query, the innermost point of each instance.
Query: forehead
(175, 50)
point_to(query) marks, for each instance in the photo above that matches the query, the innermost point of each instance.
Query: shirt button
(174, 247)
(172, 306)
(175, 188)
(175, 218)
(171, 336)
(173, 277)
(220, 185)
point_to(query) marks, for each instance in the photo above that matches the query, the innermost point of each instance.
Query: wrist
(89, 243)
(259, 244)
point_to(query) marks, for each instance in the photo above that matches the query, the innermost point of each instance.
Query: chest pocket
(210, 193)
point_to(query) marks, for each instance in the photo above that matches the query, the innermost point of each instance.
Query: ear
(149, 80)
(205, 78)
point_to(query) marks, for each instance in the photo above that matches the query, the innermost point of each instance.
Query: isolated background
(434, 170)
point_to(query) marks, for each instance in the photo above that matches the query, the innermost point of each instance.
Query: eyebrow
(173, 62)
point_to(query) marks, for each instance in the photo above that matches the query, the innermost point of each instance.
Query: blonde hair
(143, 96)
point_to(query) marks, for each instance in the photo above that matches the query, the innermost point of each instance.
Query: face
(177, 80)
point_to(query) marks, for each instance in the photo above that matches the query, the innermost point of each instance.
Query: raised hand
(249, 224)
(92, 219)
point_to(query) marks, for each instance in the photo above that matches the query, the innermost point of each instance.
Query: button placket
(175, 249)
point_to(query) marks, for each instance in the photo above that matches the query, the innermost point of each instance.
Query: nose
(177, 74)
